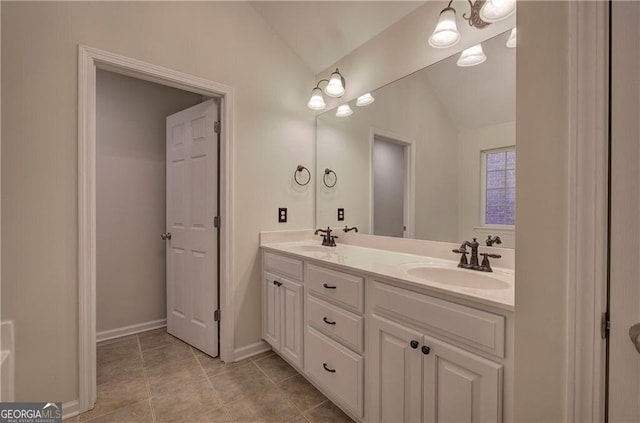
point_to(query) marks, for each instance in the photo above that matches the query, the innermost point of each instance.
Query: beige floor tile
(212, 416)
(166, 354)
(165, 379)
(117, 359)
(72, 419)
(303, 394)
(268, 406)
(299, 419)
(240, 382)
(135, 413)
(189, 400)
(119, 394)
(117, 371)
(156, 338)
(276, 368)
(213, 366)
(262, 355)
(328, 412)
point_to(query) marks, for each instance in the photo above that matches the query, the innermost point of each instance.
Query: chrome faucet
(328, 240)
(473, 264)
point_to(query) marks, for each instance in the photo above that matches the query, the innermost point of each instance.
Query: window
(499, 187)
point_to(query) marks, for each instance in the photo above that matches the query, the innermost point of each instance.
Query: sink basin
(314, 249)
(459, 277)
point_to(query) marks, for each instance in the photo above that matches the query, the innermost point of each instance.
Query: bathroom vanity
(391, 336)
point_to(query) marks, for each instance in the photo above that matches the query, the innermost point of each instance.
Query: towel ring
(299, 169)
(327, 172)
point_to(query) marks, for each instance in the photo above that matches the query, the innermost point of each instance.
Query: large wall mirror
(433, 157)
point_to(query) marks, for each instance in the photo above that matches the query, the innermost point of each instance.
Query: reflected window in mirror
(499, 187)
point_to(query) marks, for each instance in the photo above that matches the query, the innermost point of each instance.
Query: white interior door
(389, 190)
(192, 246)
(624, 356)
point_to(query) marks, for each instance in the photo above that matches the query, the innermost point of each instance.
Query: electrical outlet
(340, 215)
(282, 215)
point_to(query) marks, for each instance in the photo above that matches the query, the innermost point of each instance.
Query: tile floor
(154, 377)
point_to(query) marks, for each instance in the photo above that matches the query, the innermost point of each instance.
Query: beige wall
(225, 42)
(131, 198)
(542, 131)
(471, 143)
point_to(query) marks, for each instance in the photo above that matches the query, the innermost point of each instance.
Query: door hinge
(216, 127)
(605, 325)
(216, 315)
(216, 222)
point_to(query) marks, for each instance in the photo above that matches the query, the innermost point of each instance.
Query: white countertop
(394, 265)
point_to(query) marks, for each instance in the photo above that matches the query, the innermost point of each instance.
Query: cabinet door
(291, 318)
(395, 372)
(271, 310)
(460, 386)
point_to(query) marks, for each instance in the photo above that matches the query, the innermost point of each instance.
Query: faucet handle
(486, 266)
(491, 255)
(464, 263)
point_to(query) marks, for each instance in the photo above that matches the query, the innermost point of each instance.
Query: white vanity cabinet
(282, 312)
(415, 375)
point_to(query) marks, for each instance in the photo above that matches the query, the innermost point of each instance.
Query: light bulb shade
(472, 56)
(316, 102)
(365, 100)
(335, 87)
(344, 111)
(497, 10)
(446, 33)
(512, 41)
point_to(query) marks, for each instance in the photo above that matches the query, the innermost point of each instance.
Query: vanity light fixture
(336, 86)
(481, 14)
(365, 100)
(512, 41)
(472, 56)
(344, 110)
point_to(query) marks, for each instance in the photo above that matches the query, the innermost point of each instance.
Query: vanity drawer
(283, 265)
(479, 329)
(346, 327)
(347, 290)
(336, 369)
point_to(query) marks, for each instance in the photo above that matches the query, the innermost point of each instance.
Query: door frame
(409, 177)
(90, 59)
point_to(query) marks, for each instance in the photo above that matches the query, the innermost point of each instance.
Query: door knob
(634, 334)
(414, 344)
(426, 350)
(166, 236)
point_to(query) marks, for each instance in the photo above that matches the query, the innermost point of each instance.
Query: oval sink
(458, 277)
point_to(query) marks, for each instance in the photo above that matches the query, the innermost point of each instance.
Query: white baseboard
(70, 409)
(130, 330)
(250, 350)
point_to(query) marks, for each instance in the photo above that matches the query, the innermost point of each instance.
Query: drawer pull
(327, 321)
(328, 369)
(426, 350)
(414, 344)
(276, 283)
(329, 286)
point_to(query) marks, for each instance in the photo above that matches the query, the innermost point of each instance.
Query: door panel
(395, 372)
(291, 321)
(271, 311)
(624, 359)
(192, 204)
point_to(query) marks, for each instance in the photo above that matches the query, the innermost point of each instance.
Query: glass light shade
(497, 10)
(344, 111)
(316, 102)
(335, 87)
(446, 33)
(365, 100)
(512, 41)
(472, 56)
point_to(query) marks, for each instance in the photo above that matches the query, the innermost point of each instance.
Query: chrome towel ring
(298, 170)
(328, 172)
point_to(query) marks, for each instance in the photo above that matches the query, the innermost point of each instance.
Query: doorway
(90, 60)
(392, 191)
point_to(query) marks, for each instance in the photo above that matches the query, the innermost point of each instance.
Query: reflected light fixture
(446, 33)
(336, 86)
(472, 56)
(512, 41)
(344, 111)
(497, 10)
(365, 100)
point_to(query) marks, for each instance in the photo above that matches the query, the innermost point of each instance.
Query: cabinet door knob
(328, 369)
(329, 286)
(327, 321)
(275, 283)
(165, 236)
(414, 344)
(426, 350)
